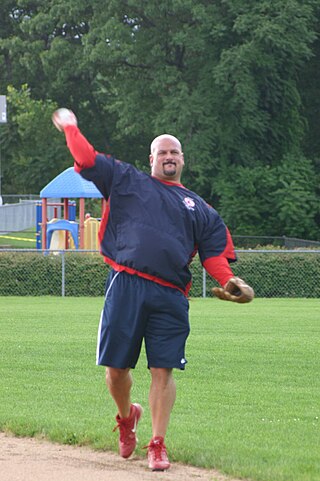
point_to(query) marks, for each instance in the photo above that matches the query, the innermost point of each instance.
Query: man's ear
(151, 160)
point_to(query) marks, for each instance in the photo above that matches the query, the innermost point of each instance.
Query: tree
(278, 200)
(34, 151)
(295, 197)
(41, 46)
(222, 76)
(225, 77)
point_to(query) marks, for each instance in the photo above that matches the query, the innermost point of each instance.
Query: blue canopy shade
(70, 184)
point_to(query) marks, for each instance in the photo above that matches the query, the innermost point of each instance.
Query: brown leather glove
(235, 290)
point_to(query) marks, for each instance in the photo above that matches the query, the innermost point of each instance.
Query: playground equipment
(57, 206)
(66, 185)
(91, 229)
(56, 226)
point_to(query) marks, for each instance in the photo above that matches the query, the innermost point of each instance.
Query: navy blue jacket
(154, 228)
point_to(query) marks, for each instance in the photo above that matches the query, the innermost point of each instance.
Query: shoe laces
(126, 427)
(157, 448)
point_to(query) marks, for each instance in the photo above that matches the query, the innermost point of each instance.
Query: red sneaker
(127, 427)
(157, 454)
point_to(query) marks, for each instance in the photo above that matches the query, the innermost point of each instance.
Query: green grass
(248, 403)
(19, 240)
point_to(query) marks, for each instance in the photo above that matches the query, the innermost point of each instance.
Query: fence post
(204, 283)
(63, 272)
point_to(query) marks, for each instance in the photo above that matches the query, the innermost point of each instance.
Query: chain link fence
(253, 242)
(272, 273)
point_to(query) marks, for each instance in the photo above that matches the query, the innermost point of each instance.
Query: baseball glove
(235, 290)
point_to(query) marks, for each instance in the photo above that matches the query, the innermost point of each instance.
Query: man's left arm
(216, 252)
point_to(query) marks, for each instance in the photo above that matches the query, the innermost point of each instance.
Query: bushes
(85, 275)
(280, 274)
(30, 274)
(272, 274)
(36, 274)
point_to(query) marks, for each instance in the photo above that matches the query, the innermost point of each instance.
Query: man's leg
(161, 399)
(119, 382)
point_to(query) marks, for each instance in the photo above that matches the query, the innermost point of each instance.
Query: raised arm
(82, 151)
(91, 165)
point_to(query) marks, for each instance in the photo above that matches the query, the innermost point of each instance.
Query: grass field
(248, 403)
(19, 240)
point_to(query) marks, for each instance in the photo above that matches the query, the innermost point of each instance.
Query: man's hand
(235, 290)
(62, 118)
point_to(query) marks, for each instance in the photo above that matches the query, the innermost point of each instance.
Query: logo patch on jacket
(189, 203)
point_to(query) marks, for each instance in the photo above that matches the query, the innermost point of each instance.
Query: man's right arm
(81, 150)
(93, 166)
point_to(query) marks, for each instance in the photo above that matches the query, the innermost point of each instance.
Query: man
(151, 230)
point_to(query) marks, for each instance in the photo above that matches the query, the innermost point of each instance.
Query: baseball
(63, 117)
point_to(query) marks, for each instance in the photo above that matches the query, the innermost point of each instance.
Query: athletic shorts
(137, 309)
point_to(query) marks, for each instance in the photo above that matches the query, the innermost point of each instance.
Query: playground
(58, 220)
(64, 232)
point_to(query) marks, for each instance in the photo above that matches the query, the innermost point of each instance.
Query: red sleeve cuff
(81, 150)
(219, 269)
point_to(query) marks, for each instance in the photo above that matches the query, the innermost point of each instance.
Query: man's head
(166, 158)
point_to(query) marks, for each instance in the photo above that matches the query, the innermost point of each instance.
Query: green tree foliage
(41, 46)
(294, 197)
(256, 77)
(223, 78)
(269, 200)
(245, 195)
(34, 151)
(226, 77)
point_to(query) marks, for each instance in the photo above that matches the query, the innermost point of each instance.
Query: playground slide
(57, 240)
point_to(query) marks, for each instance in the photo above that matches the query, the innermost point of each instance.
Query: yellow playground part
(91, 229)
(57, 240)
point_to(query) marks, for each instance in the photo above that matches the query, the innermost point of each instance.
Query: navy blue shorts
(136, 309)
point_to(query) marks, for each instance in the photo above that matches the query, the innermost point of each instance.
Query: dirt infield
(24, 459)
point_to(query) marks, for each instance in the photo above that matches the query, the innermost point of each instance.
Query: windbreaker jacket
(154, 228)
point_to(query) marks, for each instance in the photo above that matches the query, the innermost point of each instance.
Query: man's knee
(162, 376)
(115, 375)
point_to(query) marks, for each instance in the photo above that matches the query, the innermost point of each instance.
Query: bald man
(151, 230)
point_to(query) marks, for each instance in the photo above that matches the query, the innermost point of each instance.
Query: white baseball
(63, 117)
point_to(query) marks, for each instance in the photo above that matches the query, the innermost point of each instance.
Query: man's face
(166, 159)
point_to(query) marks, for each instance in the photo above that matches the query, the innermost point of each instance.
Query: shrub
(271, 274)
